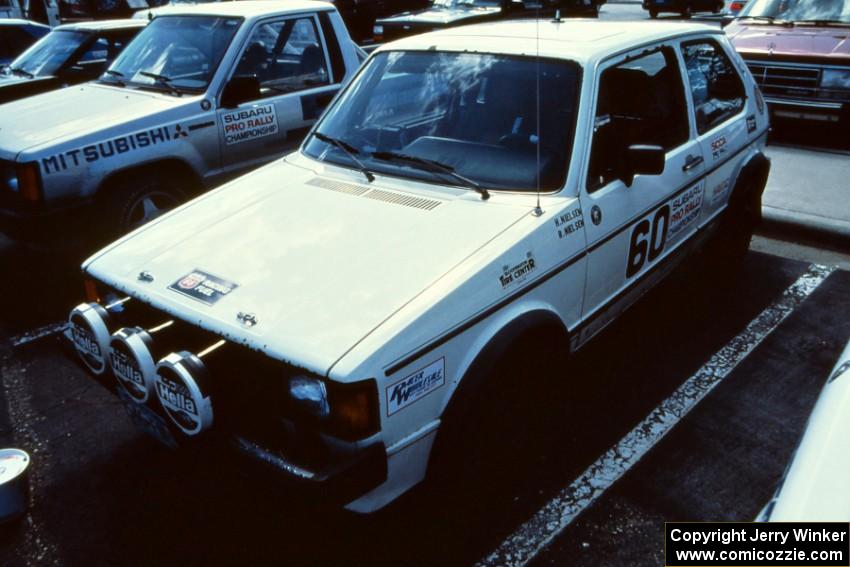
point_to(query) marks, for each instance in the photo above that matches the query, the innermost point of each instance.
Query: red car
(799, 53)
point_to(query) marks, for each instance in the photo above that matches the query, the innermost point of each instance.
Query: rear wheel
(736, 229)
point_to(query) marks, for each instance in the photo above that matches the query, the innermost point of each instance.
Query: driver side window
(285, 56)
(641, 101)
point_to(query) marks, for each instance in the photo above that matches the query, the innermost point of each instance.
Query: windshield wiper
(163, 80)
(349, 150)
(770, 20)
(22, 71)
(118, 75)
(823, 22)
(434, 167)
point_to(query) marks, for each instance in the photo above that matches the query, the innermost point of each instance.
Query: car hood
(799, 41)
(73, 112)
(432, 16)
(320, 263)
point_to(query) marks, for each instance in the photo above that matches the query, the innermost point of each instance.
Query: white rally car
(336, 314)
(815, 487)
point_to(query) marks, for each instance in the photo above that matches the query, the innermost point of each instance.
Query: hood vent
(338, 186)
(383, 195)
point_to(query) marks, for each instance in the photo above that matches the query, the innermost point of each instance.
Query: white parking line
(40, 333)
(535, 534)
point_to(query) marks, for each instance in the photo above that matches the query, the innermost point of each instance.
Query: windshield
(175, 52)
(835, 11)
(48, 54)
(466, 3)
(476, 114)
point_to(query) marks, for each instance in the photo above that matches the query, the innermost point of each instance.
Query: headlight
(311, 395)
(835, 79)
(378, 30)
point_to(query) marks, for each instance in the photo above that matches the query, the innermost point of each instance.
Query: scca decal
(110, 148)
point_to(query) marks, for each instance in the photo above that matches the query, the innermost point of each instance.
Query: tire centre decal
(651, 234)
(249, 124)
(111, 148)
(415, 386)
(513, 275)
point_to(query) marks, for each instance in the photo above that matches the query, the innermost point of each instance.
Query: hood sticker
(414, 387)
(111, 148)
(203, 286)
(249, 124)
(518, 273)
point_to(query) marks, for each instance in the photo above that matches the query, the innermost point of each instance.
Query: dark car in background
(69, 55)
(799, 53)
(78, 10)
(451, 13)
(16, 36)
(685, 8)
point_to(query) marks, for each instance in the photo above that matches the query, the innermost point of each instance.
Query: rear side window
(716, 87)
(641, 101)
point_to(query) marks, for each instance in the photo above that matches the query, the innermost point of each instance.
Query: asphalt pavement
(104, 494)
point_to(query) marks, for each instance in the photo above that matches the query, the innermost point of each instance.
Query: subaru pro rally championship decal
(415, 386)
(202, 286)
(249, 123)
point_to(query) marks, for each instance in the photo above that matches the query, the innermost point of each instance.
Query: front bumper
(316, 472)
(37, 224)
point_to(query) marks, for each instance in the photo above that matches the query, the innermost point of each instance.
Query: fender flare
(500, 346)
(751, 181)
(158, 167)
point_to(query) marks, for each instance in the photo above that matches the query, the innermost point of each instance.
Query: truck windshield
(815, 11)
(501, 122)
(175, 52)
(48, 54)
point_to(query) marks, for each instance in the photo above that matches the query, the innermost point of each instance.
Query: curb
(833, 233)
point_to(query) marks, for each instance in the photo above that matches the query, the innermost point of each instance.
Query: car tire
(653, 13)
(483, 431)
(736, 229)
(687, 12)
(134, 201)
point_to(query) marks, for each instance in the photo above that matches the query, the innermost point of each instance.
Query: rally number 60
(648, 240)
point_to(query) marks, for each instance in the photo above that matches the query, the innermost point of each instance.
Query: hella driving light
(182, 385)
(132, 363)
(89, 330)
(310, 394)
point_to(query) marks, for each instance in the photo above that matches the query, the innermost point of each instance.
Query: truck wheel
(134, 202)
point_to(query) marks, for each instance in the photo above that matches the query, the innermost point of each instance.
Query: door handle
(691, 162)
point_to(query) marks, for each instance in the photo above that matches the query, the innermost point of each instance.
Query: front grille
(786, 81)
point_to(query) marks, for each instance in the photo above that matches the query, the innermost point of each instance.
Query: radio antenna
(537, 210)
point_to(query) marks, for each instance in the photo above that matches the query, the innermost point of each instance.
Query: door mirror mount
(240, 89)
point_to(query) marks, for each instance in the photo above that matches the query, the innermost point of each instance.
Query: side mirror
(240, 89)
(644, 160)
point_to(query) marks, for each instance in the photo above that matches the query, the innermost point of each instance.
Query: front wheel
(132, 203)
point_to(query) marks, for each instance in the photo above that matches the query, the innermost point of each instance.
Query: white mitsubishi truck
(201, 94)
(340, 315)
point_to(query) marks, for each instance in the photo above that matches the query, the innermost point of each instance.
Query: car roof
(102, 25)
(244, 8)
(20, 22)
(581, 40)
